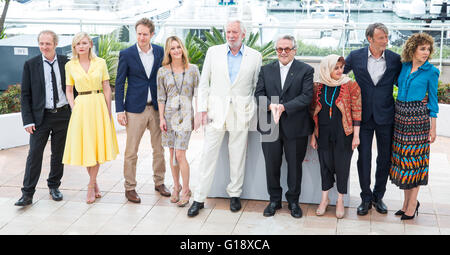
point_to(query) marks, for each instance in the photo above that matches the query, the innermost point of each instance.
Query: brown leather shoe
(162, 190)
(132, 196)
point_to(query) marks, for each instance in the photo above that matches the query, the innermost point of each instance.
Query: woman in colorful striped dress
(412, 130)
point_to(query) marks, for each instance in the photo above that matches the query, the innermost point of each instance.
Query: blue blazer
(130, 66)
(377, 101)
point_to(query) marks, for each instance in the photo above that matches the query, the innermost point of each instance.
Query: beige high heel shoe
(175, 197)
(322, 212)
(90, 198)
(185, 200)
(97, 191)
(340, 213)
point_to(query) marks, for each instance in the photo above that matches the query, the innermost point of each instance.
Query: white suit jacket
(218, 96)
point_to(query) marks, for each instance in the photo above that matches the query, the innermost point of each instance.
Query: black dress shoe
(364, 208)
(271, 208)
(195, 208)
(235, 204)
(380, 206)
(56, 194)
(296, 211)
(24, 200)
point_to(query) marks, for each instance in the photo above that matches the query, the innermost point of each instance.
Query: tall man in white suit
(228, 81)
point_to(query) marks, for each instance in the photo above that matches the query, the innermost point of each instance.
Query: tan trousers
(137, 123)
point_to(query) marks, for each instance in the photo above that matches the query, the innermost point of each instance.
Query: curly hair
(413, 42)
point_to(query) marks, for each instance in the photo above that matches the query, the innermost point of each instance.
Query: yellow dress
(91, 136)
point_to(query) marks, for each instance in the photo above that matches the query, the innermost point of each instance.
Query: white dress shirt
(284, 69)
(147, 60)
(376, 67)
(48, 84)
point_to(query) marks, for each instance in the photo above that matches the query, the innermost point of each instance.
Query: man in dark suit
(139, 64)
(45, 111)
(376, 70)
(284, 92)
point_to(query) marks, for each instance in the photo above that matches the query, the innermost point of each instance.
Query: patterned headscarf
(326, 67)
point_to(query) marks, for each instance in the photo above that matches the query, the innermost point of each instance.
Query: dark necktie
(55, 88)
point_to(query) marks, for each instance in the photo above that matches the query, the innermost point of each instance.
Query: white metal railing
(201, 24)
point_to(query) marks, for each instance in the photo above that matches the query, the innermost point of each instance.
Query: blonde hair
(76, 39)
(168, 59)
(413, 42)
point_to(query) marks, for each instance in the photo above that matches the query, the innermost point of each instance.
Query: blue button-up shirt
(234, 63)
(414, 86)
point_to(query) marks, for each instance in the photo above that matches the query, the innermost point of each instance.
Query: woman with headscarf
(336, 111)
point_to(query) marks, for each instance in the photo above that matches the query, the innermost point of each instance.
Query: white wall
(12, 133)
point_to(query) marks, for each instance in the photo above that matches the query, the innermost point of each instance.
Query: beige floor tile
(320, 222)
(353, 227)
(319, 231)
(428, 220)
(386, 218)
(113, 214)
(443, 221)
(421, 230)
(386, 228)
(223, 216)
(444, 231)
(251, 229)
(216, 228)
(151, 227)
(112, 198)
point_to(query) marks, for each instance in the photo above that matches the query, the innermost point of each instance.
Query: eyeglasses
(287, 50)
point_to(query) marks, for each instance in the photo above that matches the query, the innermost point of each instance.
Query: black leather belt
(149, 103)
(89, 92)
(64, 107)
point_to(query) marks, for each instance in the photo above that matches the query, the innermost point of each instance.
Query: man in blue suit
(376, 70)
(139, 111)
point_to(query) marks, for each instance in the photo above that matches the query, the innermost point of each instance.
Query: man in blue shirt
(226, 103)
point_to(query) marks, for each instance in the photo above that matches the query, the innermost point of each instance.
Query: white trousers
(237, 149)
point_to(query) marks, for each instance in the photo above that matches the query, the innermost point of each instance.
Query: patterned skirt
(410, 146)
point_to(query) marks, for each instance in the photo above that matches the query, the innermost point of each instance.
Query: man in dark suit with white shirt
(376, 71)
(291, 83)
(45, 112)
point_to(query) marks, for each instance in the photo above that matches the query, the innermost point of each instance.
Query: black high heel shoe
(406, 217)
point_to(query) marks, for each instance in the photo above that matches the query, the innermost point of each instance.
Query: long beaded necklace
(176, 85)
(332, 100)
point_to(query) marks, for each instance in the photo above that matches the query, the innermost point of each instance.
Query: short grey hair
(241, 25)
(371, 29)
(50, 32)
(287, 37)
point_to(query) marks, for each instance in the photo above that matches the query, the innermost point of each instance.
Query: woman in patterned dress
(177, 80)
(412, 132)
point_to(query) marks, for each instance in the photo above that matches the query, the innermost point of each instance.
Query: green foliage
(197, 48)
(3, 34)
(195, 54)
(10, 100)
(108, 49)
(395, 92)
(444, 93)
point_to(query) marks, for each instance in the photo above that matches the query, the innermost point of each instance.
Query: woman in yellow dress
(91, 136)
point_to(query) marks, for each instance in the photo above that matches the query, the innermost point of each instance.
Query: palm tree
(108, 49)
(197, 48)
(3, 17)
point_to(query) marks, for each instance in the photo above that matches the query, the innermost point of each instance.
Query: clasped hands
(277, 110)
